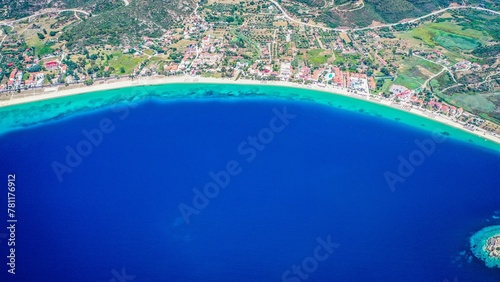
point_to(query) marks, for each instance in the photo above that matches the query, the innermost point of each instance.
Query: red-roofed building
(445, 109)
(64, 67)
(12, 76)
(304, 72)
(371, 82)
(317, 74)
(51, 65)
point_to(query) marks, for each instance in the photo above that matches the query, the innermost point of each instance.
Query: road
(47, 11)
(443, 66)
(380, 26)
(432, 77)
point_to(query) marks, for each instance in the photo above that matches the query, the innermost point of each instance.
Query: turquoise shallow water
(20, 116)
(479, 240)
(242, 183)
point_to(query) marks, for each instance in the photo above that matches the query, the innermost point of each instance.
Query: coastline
(54, 93)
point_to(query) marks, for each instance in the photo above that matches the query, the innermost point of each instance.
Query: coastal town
(256, 40)
(250, 140)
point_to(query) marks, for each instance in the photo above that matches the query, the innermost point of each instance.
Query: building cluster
(19, 80)
(16, 80)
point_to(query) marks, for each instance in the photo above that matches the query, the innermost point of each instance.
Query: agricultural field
(415, 71)
(448, 35)
(455, 35)
(486, 105)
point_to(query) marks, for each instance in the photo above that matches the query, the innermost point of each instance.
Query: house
(209, 59)
(12, 75)
(338, 77)
(30, 82)
(64, 68)
(371, 83)
(445, 109)
(415, 101)
(304, 72)
(174, 69)
(52, 65)
(317, 73)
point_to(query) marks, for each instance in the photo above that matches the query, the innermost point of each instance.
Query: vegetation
(385, 11)
(317, 57)
(136, 20)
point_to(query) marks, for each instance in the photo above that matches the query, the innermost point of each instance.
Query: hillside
(141, 18)
(111, 22)
(361, 13)
(10, 9)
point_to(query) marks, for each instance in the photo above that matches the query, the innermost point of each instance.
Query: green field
(346, 58)
(448, 35)
(43, 50)
(129, 62)
(409, 81)
(473, 102)
(317, 57)
(456, 42)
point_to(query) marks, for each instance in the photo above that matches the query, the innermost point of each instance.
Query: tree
(385, 71)
(89, 81)
(34, 68)
(41, 36)
(122, 70)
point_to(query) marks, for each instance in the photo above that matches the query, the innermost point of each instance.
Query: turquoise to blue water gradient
(320, 176)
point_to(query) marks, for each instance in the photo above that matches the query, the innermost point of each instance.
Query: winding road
(47, 11)
(379, 26)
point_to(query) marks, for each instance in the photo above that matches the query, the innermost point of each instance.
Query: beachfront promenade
(51, 92)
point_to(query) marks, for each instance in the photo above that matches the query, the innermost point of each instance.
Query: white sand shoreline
(144, 81)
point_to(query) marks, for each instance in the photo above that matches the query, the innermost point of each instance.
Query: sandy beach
(56, 92)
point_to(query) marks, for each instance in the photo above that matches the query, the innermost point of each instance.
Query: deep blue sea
(254, 190)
